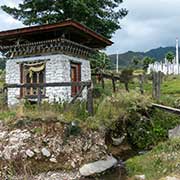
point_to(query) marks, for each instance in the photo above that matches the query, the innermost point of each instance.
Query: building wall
(57, 70)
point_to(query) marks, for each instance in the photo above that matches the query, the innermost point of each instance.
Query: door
(75, 77)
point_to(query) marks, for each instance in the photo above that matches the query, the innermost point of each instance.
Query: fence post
(5, 92)
(90, 100)
(154, 85)
(39, 96)
(102, 80)
(141, 79)
(156, 90)
(158, 85)
(113, 83)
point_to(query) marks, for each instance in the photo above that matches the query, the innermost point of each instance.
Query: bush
(148, 131)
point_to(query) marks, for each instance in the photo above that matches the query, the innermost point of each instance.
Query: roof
(74, 30)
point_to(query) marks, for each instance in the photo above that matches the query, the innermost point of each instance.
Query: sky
(149, 24)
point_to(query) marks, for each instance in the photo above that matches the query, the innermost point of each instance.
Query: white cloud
(149, 24)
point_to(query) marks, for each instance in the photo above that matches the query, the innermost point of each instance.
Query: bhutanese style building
(49, 53)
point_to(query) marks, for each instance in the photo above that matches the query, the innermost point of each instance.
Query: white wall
(57, 70)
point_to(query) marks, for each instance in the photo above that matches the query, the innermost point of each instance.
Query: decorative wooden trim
(59, 45)
(34, 61)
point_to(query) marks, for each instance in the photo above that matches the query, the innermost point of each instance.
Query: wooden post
(39, 96)
(113, 83)
(5, 99)
(141, 80)
(156, 90)
(102, 80)
(154, 85)
(90, 100)
(158, 85)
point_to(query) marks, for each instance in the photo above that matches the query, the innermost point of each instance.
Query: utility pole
(177, 55)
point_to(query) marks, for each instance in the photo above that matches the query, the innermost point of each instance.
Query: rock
(45, 152)
(29, 153)
(140, 177)
(53, 160)
(73, 164)
(173, 133)
(118, 141)
(98, 166)
(3, 135)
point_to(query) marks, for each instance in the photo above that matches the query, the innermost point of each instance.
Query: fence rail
(81, 84)
(167, 108)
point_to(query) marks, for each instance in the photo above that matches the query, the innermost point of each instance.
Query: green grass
(161, 161)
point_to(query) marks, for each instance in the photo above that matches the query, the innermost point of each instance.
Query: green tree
(101, 16)
(146, 61)
(170, 56)
(136, 62)
(100, 62)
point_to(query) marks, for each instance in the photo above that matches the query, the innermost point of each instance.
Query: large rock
(98, 166)
(173, 133)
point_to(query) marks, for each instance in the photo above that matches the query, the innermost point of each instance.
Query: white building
(51, 53)
(167, 67)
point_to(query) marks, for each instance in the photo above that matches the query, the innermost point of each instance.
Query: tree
(170, 57)
(101, 16)
(146, 61)
(136, 62)
(100, 61)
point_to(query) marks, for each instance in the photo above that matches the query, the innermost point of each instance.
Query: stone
(173, 133)
(3, 135)
(30, 153)
(45, 152)
(73, 164)
(140, 177)
(53, 160)
(98, 166)
(118, 141)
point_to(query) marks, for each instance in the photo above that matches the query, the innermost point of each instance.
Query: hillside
(125, 59)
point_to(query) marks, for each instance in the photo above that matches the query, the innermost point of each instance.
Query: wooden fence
(156, 81)
(120, 78)
(81, 84)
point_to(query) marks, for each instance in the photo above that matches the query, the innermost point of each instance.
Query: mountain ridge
(125, 59)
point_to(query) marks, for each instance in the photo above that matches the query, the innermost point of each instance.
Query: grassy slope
(161, 161)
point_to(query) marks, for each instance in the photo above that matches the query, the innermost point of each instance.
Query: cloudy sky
(149, 24)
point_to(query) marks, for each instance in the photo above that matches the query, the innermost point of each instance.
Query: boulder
(173, 133)
(98, 166)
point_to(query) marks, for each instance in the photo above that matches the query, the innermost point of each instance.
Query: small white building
(167, 67)
(45, 54)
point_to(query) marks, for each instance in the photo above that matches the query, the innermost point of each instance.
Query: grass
(161, 161)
